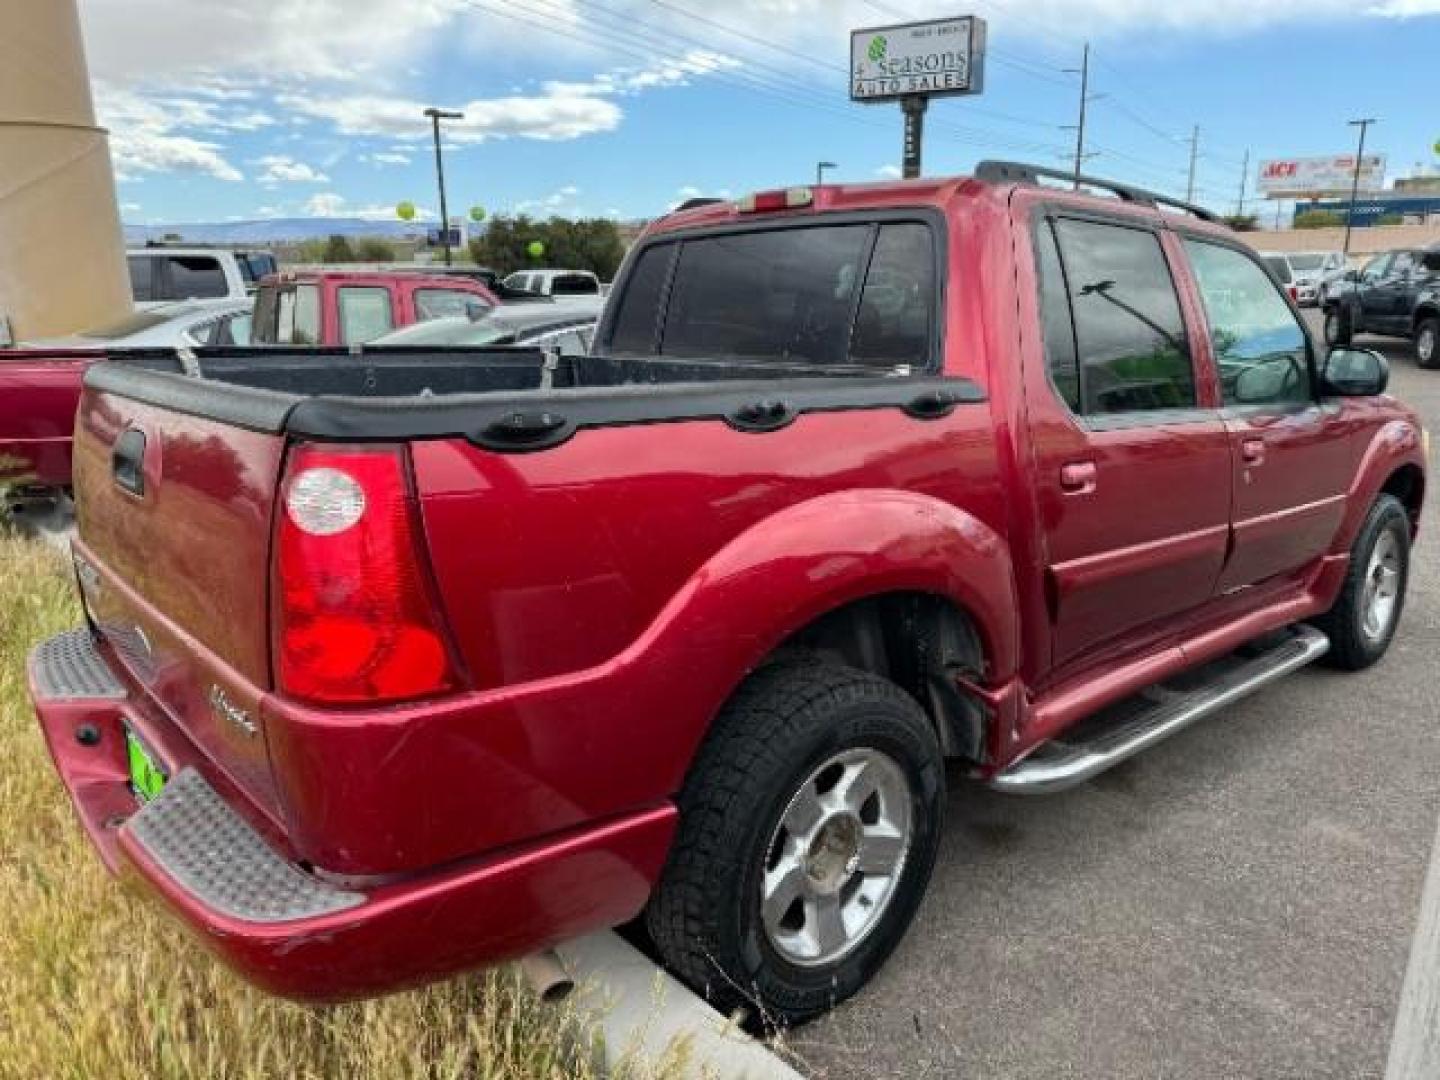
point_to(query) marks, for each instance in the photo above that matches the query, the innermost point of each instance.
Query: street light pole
(1364, 126)
(436, 115)
(820, 167)
(1084, 74)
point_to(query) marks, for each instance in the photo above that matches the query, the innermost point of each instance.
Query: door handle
(1252, 451)
(127, 461)
(1079, 477)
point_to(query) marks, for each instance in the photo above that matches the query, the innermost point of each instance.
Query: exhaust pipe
(546, 974)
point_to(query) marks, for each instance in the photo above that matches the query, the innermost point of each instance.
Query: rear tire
(1338, 332)
(1427, 343)
(1362, 623)
(790, 881)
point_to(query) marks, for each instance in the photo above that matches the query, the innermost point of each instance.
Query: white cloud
(130, 207)
(547, 117)
(328, 204)
(560, 203)
(145, 134)
(389, 157)
(285, 170)
(889, 172)
(1405, 9)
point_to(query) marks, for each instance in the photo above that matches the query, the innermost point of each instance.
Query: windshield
(137, 323)
(450, 332)
(1304, 264)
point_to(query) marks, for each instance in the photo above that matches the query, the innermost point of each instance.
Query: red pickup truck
(351, 307)
(412, 665)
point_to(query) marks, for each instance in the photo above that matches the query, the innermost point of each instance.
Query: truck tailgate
(39, 391)
(174, 523)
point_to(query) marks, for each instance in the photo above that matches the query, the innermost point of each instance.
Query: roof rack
(1015, 172)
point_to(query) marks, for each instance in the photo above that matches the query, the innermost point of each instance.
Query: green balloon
(477, 213)
(536, 249)
(405, 211)
(1436, 147)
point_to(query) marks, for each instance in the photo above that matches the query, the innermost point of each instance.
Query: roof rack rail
(691, 204)
(1015, 172)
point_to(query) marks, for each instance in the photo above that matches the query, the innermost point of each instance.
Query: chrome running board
(1065, 762)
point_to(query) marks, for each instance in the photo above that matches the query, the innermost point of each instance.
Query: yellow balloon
(405, 211)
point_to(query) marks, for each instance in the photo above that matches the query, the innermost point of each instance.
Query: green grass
(95, 982)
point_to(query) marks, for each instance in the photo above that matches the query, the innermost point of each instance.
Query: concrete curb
(644, 1013)
(1415, 1044)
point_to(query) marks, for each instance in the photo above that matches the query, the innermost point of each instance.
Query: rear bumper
(226, 872)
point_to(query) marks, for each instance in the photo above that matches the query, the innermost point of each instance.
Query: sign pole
(1364, 126)
(913, 106)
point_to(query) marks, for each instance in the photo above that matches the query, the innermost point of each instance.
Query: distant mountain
(273, 229)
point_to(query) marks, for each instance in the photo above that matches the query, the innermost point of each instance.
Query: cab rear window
(858, 294)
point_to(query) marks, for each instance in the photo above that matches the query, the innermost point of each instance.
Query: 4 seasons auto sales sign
(1300, 178)
(926, 59)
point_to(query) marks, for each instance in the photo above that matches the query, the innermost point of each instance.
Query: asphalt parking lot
(1238, 902)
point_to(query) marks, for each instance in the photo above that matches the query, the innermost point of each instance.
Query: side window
(1404, 265)
(196, 277)
(896, 306)
(142, 269)
(1058, 324)
(444, 304)
(364, 314)
(639, 313)
(1129, 333)
(306, 324)
(574, 285)
(1260, 348)
(1376, 268)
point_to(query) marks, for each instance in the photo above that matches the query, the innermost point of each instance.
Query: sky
(241, 109)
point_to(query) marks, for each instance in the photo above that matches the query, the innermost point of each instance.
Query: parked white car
(556, 283)
(159, 275)
(184, 323)
(1308, 272)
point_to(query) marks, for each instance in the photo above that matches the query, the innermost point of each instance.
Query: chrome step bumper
(1059, 764)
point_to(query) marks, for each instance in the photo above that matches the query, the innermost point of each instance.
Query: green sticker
(146, 777)
(878, 45)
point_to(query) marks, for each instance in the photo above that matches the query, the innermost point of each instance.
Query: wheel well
(1407, 484)
(1423, 313)
(919, 641)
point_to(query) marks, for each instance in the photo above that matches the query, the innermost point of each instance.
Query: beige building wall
(1363, 242)
(62, 257)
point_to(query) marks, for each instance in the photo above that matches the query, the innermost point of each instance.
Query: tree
(592, 244)
(374, 249)
(338, 250)
(1319, 219)
(1241, 222)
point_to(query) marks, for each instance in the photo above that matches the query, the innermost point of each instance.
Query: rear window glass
(445, 304)
(196, 277)
(635, 321)
(784, 295)
(574, 285)
(1279, 267)
(893, 327)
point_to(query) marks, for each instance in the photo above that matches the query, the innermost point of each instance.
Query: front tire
(808, 830)
(1362, 623)
(1338, 332)
(1427, 343)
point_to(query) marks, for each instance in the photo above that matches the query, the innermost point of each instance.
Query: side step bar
(1061, 764)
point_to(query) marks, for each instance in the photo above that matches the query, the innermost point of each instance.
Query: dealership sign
(1301, 178)
(926, 59)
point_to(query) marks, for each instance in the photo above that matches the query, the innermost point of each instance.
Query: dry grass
(95, 982)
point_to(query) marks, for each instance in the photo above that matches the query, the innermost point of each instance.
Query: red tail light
(354, 617)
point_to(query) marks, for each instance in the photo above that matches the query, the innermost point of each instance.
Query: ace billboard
(929, 59)
(1300, 178)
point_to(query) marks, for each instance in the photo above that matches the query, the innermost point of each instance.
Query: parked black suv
(1397, 293)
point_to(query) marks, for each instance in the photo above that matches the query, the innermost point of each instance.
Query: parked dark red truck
(417, 664)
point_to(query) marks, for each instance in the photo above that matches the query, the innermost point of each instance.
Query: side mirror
(1355, 373)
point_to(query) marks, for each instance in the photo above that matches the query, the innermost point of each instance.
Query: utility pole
(1084, 74)
(1194, 155)
(1244, 178)
(1364, 126)
(820, 167)
(436, 115)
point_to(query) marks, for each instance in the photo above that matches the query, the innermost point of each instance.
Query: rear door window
(574, 285)
(1129, 334)
(636, 320)
(364, 314)
(196, 277)
(444, 304)
(781, 295)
